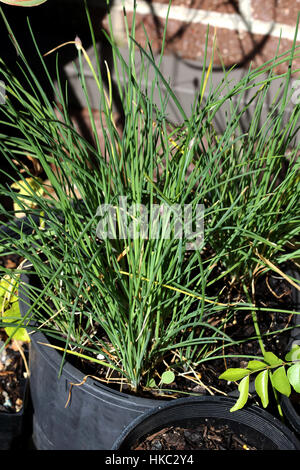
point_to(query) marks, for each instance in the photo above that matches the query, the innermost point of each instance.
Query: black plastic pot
(258, 427)
(96, 414)
(12, 424)
(290, 412)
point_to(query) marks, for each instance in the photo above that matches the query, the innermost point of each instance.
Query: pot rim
(251, 416)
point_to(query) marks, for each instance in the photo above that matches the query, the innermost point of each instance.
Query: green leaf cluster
(10, 310)
(282, 375)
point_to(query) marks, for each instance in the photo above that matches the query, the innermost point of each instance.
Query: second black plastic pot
(12, 424)
(258, 428)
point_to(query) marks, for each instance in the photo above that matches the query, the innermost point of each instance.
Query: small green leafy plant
(166, 378)
(283, 376)
(10, 310)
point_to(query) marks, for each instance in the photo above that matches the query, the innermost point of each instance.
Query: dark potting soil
(274, 292)
(204, 436)
(11, 363)
(11, 373)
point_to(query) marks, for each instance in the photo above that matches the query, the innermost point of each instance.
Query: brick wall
(246, 30)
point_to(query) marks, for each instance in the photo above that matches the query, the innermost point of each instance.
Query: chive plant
(142, 303)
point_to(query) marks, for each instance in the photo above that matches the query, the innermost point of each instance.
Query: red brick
(221, 6)
(281, 11)
(188, 41)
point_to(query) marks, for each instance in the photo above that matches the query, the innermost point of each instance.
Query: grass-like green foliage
(142, 302)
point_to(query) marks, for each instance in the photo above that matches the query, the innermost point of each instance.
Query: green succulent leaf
(271, 359)
(281, 382)
(152, 383)
(234, 374)
(293, 354)
(168, 377)
(293, 374)
(256, 365)
(261, 387)
(13, 315)
(243, 389)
